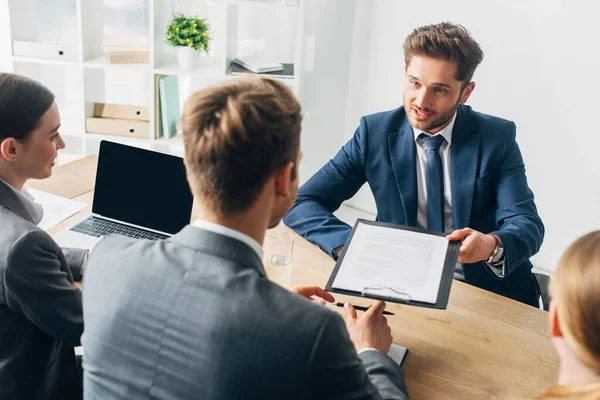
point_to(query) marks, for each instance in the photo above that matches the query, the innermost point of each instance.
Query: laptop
(138, 193)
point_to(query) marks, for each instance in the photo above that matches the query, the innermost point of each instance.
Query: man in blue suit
(436, 164)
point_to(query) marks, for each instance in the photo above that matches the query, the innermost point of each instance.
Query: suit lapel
(465, 157)
(9, 199)
(403, 158)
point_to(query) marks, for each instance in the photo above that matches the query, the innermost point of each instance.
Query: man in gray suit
(194, 316)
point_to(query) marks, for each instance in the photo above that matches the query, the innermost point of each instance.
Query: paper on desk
(403, 261)
(56, 208)
(397, 353)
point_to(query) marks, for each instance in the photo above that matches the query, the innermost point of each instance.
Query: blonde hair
(575, 288)
(236, 135)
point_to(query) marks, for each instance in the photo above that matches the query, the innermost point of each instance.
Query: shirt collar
(232, 233)
(446, 132)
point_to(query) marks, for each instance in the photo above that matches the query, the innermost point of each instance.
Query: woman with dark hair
(40, 308)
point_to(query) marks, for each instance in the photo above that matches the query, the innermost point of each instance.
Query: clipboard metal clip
(383, 292)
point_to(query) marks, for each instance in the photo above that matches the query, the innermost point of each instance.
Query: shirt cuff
(83, 263)
(498, 270)
(367, 349)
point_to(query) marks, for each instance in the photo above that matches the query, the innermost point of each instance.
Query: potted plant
(190, 36)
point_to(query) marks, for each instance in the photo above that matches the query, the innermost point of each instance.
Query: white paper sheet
(393, 261)
(56, 208)
(397, 353)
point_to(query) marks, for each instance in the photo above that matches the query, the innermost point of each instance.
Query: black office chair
(542, 281)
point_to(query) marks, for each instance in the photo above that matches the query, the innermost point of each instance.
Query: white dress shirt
(232, 233)
(422, 176)
(445, 154)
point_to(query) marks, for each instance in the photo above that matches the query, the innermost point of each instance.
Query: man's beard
(436, 123)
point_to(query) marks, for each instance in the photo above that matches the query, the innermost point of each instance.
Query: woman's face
(38, 152)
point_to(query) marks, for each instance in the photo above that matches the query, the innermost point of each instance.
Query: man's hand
(371, 330)
(475, 246)
(314, 293)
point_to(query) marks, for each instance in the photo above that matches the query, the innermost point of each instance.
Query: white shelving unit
(271, 28)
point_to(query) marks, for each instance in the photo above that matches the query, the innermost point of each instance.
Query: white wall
(327, 47)
(540, 70)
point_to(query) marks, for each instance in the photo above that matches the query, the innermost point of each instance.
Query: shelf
(212, 67)
(116, 138)
(282, 3)
(102, 63)
(174, 141)
(238, 27)
(35, 60)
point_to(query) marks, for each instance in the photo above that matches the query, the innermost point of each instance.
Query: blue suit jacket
(489, 191)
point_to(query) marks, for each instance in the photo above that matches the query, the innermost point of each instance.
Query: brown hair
(23, 101)
(236, 135)
(447, 41)
(575, 288)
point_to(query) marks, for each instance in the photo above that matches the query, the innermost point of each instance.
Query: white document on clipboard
(391, 262)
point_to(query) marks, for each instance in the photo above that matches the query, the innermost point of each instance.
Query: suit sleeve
(338, 180)
(337, 372)
(39, 288)
(521, 228)
(75, 259)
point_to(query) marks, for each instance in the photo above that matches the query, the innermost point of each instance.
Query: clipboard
(382, 292)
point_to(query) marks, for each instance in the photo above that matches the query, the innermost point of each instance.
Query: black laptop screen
(142, 187)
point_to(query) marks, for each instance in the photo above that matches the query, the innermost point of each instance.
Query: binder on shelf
(120, 111)
(46, 50)
(157, 112)
(118, 127)
(169, 104)
(258, 65)
(387, 289)
(286, 73)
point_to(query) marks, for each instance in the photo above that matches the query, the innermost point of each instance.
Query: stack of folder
(126, 49)
(120, 120)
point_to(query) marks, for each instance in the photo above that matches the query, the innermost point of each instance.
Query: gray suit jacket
(194, 317)
(41, 319)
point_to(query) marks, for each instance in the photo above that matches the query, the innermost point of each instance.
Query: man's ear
(283, 180)
(554, 324)
(467, 92)
(8, 149)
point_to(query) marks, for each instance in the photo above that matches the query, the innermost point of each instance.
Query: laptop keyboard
(99, 227)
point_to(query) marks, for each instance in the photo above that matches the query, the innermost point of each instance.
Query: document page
(396, 353)
(56, 208)
(393, 262)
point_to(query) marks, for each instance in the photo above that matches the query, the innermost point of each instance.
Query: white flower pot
(188, 58)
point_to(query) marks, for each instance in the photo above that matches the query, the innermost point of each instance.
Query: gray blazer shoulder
(195, 314)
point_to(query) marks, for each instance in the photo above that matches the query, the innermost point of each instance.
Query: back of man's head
(236, 135)
(446, 41)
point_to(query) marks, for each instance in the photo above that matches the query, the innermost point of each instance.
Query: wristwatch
(497, 256)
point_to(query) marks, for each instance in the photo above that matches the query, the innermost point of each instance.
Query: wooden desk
(483, 346)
